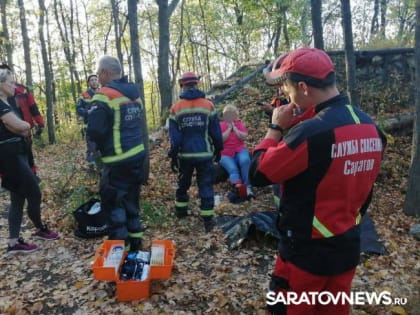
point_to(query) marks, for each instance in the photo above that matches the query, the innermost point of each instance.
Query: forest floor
(207, 277)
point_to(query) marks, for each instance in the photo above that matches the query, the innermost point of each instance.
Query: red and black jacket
(26, 103)
(327, 166)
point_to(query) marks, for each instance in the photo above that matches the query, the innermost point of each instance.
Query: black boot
(181, 212)
(209, 223)
(135, 244)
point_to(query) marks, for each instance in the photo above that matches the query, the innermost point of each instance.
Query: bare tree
(374, 26)
(383, 17)
(243, 33)
(206, 38)
(164, 80)
(50, 63)
(4, 35)
(81, 43)
(47, 73)
(117, 28)
(316, 15)
(26, 44)
(68, 45)
(277, 31)
(283, 9)
(412, 198)
(177, 62)
(349, 51)
(88, 35)
(138, 77)
(379, 9)
(73, 45)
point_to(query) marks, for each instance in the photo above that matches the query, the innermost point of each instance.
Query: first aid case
(109, 259)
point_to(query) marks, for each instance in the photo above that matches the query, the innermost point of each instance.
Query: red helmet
(271, 72)
(188, 78)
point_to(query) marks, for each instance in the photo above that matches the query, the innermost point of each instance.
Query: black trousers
(18, 178)
(120, 199)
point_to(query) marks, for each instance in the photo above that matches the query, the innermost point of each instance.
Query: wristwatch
(275, 127)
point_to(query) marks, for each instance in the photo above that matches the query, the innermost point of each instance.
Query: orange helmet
(271, 72)
(188, 78)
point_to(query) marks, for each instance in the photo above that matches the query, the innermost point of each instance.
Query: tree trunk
(138, 77)
(412, 198)
(206, 39)
(180, 42)
(26, 45)
(117, 31)
(48, 74)
(88, 35)
(383, 17)
(164, 80)
(220, 97)
(374, 25)
(73, 49)
(277, 31)
(239, 13)
(349, 52)
(285, 29)
(5, 39)
(50, 64)
(316, 14)
(66, 45)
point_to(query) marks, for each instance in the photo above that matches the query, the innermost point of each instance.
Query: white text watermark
(338, 298)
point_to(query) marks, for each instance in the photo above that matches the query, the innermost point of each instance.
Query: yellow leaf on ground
(79, 285)
(398, 310)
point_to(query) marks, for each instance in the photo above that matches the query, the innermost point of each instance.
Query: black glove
(38, 131)
(217, 156)
(173, 155)
(175, 164)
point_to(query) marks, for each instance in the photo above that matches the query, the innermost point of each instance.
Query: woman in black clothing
(17, 176)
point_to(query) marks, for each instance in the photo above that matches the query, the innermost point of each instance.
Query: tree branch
(172, 7)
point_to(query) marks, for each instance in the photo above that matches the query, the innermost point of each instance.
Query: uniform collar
(340, 99)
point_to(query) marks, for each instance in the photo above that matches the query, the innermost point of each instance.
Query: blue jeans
(237, 166)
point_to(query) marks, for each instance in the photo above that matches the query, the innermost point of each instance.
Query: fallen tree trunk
(224, 83)
(398, 122)
(220, 97)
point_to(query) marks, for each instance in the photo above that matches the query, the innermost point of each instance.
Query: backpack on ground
(91, 220)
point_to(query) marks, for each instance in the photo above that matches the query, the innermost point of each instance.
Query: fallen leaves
(208, 277)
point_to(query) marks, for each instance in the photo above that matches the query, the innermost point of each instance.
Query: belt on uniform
(11, 140)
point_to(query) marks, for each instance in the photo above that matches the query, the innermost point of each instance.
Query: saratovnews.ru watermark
(338, 298)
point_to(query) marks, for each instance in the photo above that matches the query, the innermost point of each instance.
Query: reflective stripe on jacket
(194, 128)
(124, 140)
(327, 166)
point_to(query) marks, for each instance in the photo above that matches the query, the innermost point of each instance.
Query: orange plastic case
(130, 290)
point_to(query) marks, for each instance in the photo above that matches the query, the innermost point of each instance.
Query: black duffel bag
(91, 220)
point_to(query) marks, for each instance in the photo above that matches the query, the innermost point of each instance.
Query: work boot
(209, 223)
(250, 193)
(135, 244)
(181, 212)
(242, 190)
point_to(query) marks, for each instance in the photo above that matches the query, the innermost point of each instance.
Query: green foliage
(383, 43)
(152, 105)
(72, 187)
(197, 40)
(154, 213)
(69, 131)
(78, 196)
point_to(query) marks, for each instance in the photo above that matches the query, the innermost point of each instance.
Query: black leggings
(22, 183)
